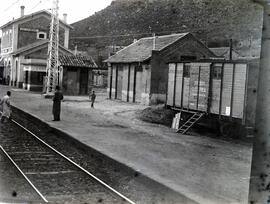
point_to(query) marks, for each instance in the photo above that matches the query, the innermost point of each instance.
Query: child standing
(93, 98)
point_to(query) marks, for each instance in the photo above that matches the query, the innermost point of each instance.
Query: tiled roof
(36, 45)
(141, 50)
(76, 61)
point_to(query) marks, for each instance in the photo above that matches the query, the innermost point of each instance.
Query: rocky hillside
(213, 21)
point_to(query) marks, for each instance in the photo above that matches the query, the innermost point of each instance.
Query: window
(41, 35)
(186, 70)
(217, 69)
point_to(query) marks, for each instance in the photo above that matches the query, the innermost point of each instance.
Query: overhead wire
(9, 7)
(36, 5)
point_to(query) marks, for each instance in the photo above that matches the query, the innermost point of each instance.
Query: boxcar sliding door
(199, 86)
(175, 85)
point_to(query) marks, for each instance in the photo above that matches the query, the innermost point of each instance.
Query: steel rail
(77, 165)
(26, 178)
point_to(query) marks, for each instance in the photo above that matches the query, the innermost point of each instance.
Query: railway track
(55, 177)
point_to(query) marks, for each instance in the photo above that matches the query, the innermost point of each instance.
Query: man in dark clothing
(58, 96)
(93, 98)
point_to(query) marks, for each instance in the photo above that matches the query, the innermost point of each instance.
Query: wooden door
(119, 82)
(204, 88)
(199, 86)
(84, 82)
(72, 82)
(139, 87)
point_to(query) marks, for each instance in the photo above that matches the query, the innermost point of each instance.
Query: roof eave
(128, 62)
(29, 15)
(125, 62)
(89, 67)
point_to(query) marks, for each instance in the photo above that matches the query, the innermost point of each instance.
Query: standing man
(5, 102)
(57, 98)
(93, 98)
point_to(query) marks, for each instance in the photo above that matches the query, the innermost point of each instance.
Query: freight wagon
(223, 92)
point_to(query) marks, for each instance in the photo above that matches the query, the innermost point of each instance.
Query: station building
(139, 72)
(24, 48)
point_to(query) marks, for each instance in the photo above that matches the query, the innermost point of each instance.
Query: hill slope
(213, 21)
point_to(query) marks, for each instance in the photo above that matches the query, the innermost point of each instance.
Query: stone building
(139, 72)
(24, 48)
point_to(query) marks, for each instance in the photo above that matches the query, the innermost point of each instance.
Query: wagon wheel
(229, 130)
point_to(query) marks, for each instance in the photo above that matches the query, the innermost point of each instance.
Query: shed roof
(141, 50)
(76, 61)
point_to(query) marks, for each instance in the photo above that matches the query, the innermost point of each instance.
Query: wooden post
(259, 191)
(231, 48)
(182, 92)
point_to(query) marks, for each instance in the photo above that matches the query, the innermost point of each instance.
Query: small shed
(77, 74)
(139, 72)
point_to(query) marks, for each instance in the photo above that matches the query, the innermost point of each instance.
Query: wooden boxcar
(225, 89)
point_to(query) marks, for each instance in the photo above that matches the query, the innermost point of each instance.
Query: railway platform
(203, 169)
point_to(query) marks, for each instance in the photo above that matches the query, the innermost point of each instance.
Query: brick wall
(39, 54)
(28, 31)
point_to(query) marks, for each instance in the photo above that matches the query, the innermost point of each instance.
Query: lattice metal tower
(52, 69)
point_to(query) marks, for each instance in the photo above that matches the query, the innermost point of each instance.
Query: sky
(75, 9)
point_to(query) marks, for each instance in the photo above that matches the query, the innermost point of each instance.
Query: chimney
(65, 17)
(22, 11)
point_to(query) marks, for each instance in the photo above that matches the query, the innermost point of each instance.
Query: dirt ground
(207, 170)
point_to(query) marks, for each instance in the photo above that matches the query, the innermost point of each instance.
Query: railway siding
(54, 177)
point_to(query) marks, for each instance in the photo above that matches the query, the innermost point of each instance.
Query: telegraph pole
(259, 191)
(52, 72)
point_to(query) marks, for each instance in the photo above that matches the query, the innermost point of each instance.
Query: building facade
(24, 48)
(139, 72)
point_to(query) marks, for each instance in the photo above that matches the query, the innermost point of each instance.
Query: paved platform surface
(207, 170)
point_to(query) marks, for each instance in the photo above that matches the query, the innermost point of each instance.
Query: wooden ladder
(190, 122)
